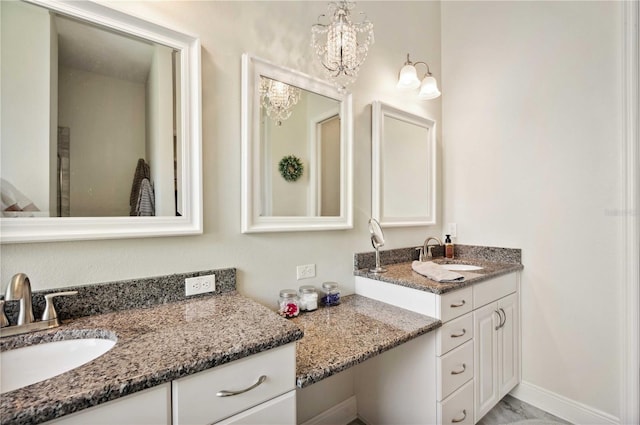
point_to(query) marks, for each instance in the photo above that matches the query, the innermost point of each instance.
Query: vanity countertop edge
(154, 346)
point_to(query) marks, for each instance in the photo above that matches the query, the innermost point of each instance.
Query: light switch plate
(307, 271)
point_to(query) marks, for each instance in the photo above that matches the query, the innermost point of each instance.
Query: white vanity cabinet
(476, 364)
(193, 399)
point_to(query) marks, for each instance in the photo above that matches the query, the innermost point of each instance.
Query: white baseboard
(340, 414)
(562, 407)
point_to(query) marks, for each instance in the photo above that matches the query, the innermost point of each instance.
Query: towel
(434, 272)
(145, 205)
(141, 200)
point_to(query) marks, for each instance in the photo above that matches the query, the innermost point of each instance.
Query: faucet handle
(50, 312)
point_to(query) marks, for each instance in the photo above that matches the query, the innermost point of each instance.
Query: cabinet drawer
(493, 289)
(457, 408)
(454, 369)
(279, 411)
(194, 397)
(456, 303)
(454, 333)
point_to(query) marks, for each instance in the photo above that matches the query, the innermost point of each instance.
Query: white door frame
(630, 214)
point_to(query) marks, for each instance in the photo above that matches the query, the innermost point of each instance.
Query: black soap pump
(448, 247)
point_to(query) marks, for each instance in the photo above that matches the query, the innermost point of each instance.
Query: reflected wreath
(291, 168)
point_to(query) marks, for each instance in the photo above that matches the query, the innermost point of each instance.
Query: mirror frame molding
(251, 221)
(36, 229)
(379, 111)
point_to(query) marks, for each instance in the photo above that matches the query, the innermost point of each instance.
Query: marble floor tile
(511, 409)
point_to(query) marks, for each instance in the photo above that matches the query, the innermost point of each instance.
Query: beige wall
(531, 109)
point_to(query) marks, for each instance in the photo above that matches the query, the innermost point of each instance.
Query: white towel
(434, 272)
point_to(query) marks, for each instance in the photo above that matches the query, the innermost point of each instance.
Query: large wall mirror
(100, 125)
(403, 167)
(296, 151)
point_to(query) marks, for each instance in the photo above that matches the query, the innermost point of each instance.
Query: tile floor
(509, 410)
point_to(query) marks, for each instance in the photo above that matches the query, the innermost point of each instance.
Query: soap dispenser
(448, 247)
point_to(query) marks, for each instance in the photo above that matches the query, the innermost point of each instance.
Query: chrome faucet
(426, 250)
(20, 290)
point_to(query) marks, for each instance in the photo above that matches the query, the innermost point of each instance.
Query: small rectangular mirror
(403, 167)
(296, 144)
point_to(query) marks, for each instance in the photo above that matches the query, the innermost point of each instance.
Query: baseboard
(560, 406)
(340, 414)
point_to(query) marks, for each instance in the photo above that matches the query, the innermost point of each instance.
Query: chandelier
(342, 45)
(277, 98)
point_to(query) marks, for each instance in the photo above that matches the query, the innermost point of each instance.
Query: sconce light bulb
(429, 88)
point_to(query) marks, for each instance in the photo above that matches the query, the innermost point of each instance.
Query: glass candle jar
(331, 294)
(289, 304)
(308, 298)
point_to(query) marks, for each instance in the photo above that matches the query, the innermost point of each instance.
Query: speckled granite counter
(494, 262)
(336, 338)
(154, 345)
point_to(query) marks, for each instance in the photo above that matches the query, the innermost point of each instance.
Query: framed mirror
(297, 144)
(403, 167)
(101, 125)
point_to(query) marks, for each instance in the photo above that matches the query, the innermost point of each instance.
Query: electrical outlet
(453, 230)
(307, 271)
(199, 284)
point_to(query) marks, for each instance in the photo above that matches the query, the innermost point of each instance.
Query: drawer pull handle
(458, 372)
(460, 304)
(464, 331)
(225, 393)
(464, 416)
(504, 318)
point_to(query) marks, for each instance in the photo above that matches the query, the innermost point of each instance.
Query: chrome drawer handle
(455, 372)
(458, 305)
(225, 393)
(464, 416)
(464, 331)
(499, 318)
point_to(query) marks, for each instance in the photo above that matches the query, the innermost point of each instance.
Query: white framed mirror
(101, 125)
(297, 151)
(403, 167)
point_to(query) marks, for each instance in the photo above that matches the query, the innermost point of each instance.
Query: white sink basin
(460, 267)
(27, 365)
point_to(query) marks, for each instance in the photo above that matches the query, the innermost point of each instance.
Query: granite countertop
(336, 338)
(402, 274)
(154, 345)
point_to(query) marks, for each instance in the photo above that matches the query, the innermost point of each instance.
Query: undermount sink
(460, 267)
(27, 365)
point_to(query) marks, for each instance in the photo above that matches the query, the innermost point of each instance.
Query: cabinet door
(508, 344)
(487, 393)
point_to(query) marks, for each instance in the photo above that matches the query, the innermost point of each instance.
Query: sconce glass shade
(408, 79)
(429, 88)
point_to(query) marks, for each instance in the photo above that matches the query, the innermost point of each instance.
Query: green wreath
(291, 168)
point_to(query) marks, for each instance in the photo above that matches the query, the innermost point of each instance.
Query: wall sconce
(342, 45)
(277, 98)
(408, 80)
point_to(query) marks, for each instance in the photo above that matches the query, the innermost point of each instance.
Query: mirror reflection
(89, 119)
(300, 145)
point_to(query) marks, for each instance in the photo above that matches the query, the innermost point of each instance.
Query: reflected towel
(13, 199)
(435, 272)
(143, 171)
(145, 205)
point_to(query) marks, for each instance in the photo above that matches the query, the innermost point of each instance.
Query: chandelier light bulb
(277, 99)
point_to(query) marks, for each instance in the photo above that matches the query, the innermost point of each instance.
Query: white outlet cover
(199, 284)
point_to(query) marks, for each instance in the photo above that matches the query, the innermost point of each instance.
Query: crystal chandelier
(342, 45)
(277, 98)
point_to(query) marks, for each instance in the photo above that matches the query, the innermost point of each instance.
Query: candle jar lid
(307, 289)
(330, 285)
(288, 293)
